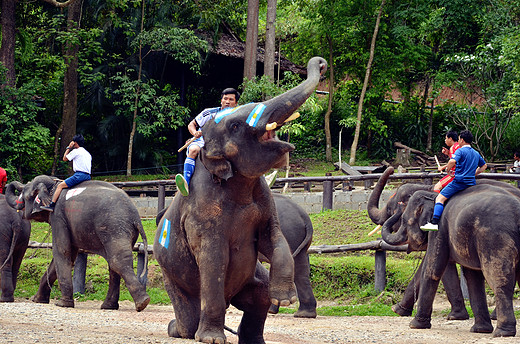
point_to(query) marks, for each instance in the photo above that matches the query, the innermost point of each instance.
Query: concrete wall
(312, 202)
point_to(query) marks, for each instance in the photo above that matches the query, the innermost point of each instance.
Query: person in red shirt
(3, 179)
(451, 141)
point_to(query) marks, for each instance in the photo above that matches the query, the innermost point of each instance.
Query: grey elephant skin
(297, 229)
(450, 278)
(207, 243)
(480, 230)
(93, 216)
(14, 239)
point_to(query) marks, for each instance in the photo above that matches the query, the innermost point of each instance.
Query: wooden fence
(379, 246)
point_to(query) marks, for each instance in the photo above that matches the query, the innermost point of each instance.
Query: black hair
(78, 138)
(467, 136)
(452, 134)
(517, 154)
(231, 90)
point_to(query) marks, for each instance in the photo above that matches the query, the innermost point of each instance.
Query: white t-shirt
(81, 160)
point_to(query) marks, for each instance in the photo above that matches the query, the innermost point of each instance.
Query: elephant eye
(234, 126)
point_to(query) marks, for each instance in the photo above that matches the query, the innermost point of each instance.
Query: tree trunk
(328, 140)
(423, 110)
(353, 149)
(7, 21)
(70, 87)
(270, 39)
(136, 103)
(251, 39)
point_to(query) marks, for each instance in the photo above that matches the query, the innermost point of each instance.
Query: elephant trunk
(14, 201)
(378, 216)
(280, 108)
(398, 238)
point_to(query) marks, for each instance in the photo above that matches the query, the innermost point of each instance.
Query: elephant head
(410, 218)
(399, 199)
(30, 196)
(243, 140)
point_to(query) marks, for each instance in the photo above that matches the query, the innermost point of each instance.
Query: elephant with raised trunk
(207, 243)
(14, 234)
(480, 230)
(93, 216)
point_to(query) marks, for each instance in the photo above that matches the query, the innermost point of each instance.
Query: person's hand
(72, 145)
(198, 134)
(445, 151)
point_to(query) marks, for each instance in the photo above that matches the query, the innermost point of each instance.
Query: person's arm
(480, 169)
(192, 128)
(451, 163)
(68, 149)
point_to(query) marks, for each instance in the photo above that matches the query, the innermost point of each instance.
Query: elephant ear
(216, 164)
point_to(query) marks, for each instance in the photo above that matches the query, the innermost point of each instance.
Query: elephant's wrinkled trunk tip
(378, 216)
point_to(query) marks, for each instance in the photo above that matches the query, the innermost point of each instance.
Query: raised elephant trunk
(378, 216)
(14, 201)
(398, 238)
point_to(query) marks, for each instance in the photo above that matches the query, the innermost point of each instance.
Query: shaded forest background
(130, 74)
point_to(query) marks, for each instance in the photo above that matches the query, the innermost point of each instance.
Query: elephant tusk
(378, 227)
(292, 117)
(271, 126)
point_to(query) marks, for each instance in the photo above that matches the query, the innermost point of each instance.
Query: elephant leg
(254, 301)
(450, 280)
(186, 308)
(302, 272)
(122, 264)
(435, 262)
(477, 299)
(64, 264)
(112, 298)
(46, 282)
(503, 286)
(6, 281)
(405, 306)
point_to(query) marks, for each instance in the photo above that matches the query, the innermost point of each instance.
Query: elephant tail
(16, 229)
(308, 238)
(140, 228)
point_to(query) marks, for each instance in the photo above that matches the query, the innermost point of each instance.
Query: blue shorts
(77, 178)
(453, 187)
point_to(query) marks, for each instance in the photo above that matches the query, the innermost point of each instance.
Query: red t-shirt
(3, 179)
(452, 151)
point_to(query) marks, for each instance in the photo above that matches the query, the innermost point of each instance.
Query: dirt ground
(27, 322)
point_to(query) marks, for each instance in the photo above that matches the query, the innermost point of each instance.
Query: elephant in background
(207, 243)
(480, 230)
(14, 233)
(94, 216)
(450, 278)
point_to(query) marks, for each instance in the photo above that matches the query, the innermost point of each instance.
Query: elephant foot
(172, 330)
(39, 299)
(63, 303)
(482, 328)
(400, 310)
(273, 309)
(458, 315)
(500, 332)
(7, 299)
(142, 303)
(110, 305)
(305, 313)
(259, 340)
(211, 336)
(421, 323)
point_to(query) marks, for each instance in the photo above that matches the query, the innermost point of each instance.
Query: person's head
(229, 98)
(516, 156)
(78, 138)
(466, 136)
(451, 138)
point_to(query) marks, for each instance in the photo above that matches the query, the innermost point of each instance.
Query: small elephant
(14, 234)
(94, 216)
(207, 243)
(480, 230)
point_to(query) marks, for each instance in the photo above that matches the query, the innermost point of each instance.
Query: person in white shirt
(516, 165)
(81, 164)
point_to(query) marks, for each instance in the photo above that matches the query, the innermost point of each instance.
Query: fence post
(141, 265)
(327, 193)
(161, 195)
(80, 271)
(307, 186)
(380, 270)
